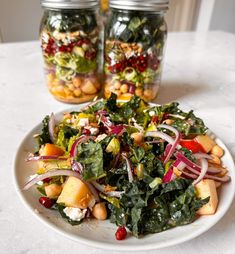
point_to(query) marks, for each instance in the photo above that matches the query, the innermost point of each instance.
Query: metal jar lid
(140, 5)
(69, 4)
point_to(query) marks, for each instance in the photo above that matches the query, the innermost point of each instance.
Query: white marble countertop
(199, 73)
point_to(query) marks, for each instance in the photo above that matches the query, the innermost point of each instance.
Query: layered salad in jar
(134, 45)
(70, 45)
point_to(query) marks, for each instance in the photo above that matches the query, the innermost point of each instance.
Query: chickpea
(99, 211)
(139, 91)
(168, 121)
(215, 159)
(124, 88)
(217, 150)
(67, 91)
(138, 137)
(77, 92)
(50, 77)
(53, 190)
(117, 85)
(148, 94)
(77, 82)
(70, 86)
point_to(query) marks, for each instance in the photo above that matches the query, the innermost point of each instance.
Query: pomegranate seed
(86, 41)
(62, 48)
(79, 43)
(132, 89)
(46, 202)
(154, 119)
(51, 41)
(121, 233)
(86, 132)
(90, 55)
(47, 180)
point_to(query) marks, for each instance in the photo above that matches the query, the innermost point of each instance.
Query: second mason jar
(135, 37)
(70, 43)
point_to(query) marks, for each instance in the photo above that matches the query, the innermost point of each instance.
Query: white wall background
(223, 16)
(20, 19)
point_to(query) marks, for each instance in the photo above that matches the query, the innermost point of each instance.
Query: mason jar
(135, 38)
(69, 35)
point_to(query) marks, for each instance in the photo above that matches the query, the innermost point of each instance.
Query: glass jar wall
(133, 52)
(70, 46)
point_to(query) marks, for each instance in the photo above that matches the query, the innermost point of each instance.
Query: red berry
(154, 119)
(79, 43)
(62, 48)
(47, 180)
(86, 41)
(86, 132)
(121, 233)
(46, 202)
(90, 55)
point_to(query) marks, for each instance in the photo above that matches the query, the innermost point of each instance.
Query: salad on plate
(146, 168)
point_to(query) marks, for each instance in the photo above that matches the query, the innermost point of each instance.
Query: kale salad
(146, 168)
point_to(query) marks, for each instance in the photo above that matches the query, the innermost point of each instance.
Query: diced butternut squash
(76, 194)
(207, 188)
(51, 150)
(53, 190)
(206, 142)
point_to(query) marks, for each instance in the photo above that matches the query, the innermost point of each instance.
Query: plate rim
(116, 245)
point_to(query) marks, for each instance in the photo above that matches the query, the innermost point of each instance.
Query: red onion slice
(93, 191)
(51, 173)
(101, 188)
(175, 143)
(159, 134)
(51, 127)
(43, 158)
(76, 166)
(81, 139)
(202, 155)
(169, 176)
(128, 166)
(204, 167)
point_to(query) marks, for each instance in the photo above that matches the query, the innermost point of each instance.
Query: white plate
(101, 234)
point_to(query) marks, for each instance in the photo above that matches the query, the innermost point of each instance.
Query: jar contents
(70, 45)
(134, 45)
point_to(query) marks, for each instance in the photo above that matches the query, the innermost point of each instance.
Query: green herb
(44, 137)
(90, 155)
(60, 209)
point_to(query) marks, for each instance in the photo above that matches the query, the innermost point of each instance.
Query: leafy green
(144, 210)
(112, 200)
(44, 136)
(65, 134)
(60, 209)
(90, 155)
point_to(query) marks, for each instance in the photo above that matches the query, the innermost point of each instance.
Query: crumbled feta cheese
(101, 137)
(94, 131)
(151, 113)
(83, 122)
(75, 214)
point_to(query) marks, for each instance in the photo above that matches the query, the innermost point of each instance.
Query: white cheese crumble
(83, 122)
(75, 214)
(151, 113)
(93, 130)
(101, 137)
